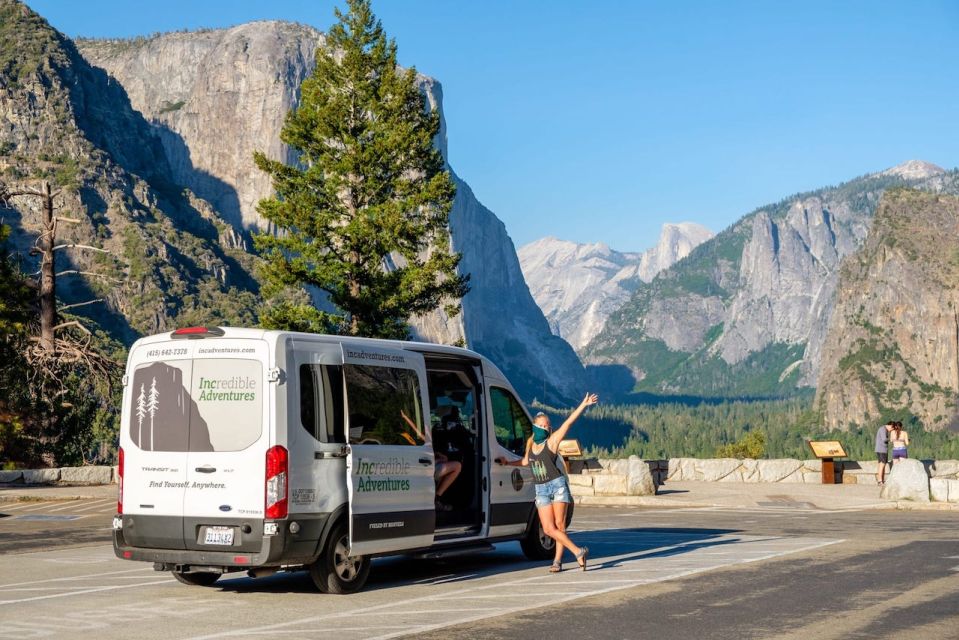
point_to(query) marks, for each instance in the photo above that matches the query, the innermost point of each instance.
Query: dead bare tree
(48, 352)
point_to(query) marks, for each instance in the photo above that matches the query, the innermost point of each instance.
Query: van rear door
(226, 462)
(390, 456)
(155, 436)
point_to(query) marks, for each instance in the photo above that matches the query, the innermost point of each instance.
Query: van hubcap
(345, 565)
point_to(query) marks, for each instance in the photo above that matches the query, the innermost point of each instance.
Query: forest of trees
(701, 429)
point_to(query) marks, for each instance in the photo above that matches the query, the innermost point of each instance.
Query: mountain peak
(914, 170)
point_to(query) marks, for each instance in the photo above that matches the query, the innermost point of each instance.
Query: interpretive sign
(570, 448)
(827, 451)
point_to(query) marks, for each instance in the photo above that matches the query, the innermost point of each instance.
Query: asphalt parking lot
(782, 571)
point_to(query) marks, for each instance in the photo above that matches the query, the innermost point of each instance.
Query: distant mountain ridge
(746, 313)
(579, 285)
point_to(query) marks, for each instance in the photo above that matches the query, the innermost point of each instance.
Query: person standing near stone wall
(882, 451)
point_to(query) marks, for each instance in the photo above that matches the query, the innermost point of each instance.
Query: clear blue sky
(602, 120)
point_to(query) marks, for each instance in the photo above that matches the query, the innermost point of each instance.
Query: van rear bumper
(271, 553)
(281, 548)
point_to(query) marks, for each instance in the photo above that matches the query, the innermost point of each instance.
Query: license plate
(219, 535)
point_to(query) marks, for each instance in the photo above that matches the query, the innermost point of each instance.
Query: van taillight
(120, 482)
(277, 467)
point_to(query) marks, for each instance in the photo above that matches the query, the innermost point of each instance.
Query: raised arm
(559, 434)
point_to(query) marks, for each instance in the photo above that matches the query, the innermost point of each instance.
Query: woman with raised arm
(552, 487)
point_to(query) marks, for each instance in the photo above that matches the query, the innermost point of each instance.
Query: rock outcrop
(215, 96)
(907, 481)
(578, 286)
(746, 313)
(893, 344)
(169, 258)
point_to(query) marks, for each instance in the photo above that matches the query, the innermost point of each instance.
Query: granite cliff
(170, 259)
(578, 286)
(893, 344)
(213, 97)
(746, 313)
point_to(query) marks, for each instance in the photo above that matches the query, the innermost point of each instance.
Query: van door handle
(426, 462)
(206, 469)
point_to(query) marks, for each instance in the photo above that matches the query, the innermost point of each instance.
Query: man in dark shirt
(882, 451)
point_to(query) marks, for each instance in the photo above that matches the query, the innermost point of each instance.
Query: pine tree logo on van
(147, 405)
(233, 389)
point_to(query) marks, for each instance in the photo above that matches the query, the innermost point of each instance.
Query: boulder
(812, 465)
(86, 475)
(750, 470)
(608, 484)
(11, 476)
(796, 477)
(718, 469)
(580, 480)
(581, 490)
(640, 481)
(682, 469)
(812, 477)
(907, 481)
(41, 476)
(777, 470)
(868, 467)
(620, 467)
(939, 489)
(735, 476)
(944, 469)
(944, 489)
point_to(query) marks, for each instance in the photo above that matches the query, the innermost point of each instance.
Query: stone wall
(629, 477)
(89, 475)
(626, 477)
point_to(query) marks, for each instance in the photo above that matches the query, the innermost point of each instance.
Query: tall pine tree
(364, 214)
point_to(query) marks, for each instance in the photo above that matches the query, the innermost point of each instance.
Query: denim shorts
(556, 490)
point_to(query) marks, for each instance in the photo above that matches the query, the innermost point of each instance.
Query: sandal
(582, 556)
(556, 567)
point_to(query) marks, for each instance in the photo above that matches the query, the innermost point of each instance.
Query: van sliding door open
(390, 459)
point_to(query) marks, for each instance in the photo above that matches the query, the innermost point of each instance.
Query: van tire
(536, 544)
(334, 572)
(197, 578)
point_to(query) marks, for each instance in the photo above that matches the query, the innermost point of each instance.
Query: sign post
(828, 451)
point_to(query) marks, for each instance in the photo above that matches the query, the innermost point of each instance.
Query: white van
(259, 451)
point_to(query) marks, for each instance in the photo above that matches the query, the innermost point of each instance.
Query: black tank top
(543, 465)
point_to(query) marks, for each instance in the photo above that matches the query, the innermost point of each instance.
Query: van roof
(271, 335)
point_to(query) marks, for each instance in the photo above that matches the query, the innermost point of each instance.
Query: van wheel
(536, 544)
(335, 571)
(196, 578)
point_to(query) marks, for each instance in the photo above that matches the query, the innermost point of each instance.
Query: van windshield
(197, 405)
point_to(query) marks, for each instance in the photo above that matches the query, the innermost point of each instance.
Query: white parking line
(70, 505)
(614, 576)
(91, 590)
(99, 505)
(81, 577)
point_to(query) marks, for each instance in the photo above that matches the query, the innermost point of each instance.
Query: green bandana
(540, 435)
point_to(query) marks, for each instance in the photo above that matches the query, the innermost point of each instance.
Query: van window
(197, 405)
(228, 400)
(510, 422)
(321, 401)
(384, 405)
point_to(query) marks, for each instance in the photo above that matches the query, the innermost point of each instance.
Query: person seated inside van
(446, 470)
(445, 474)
